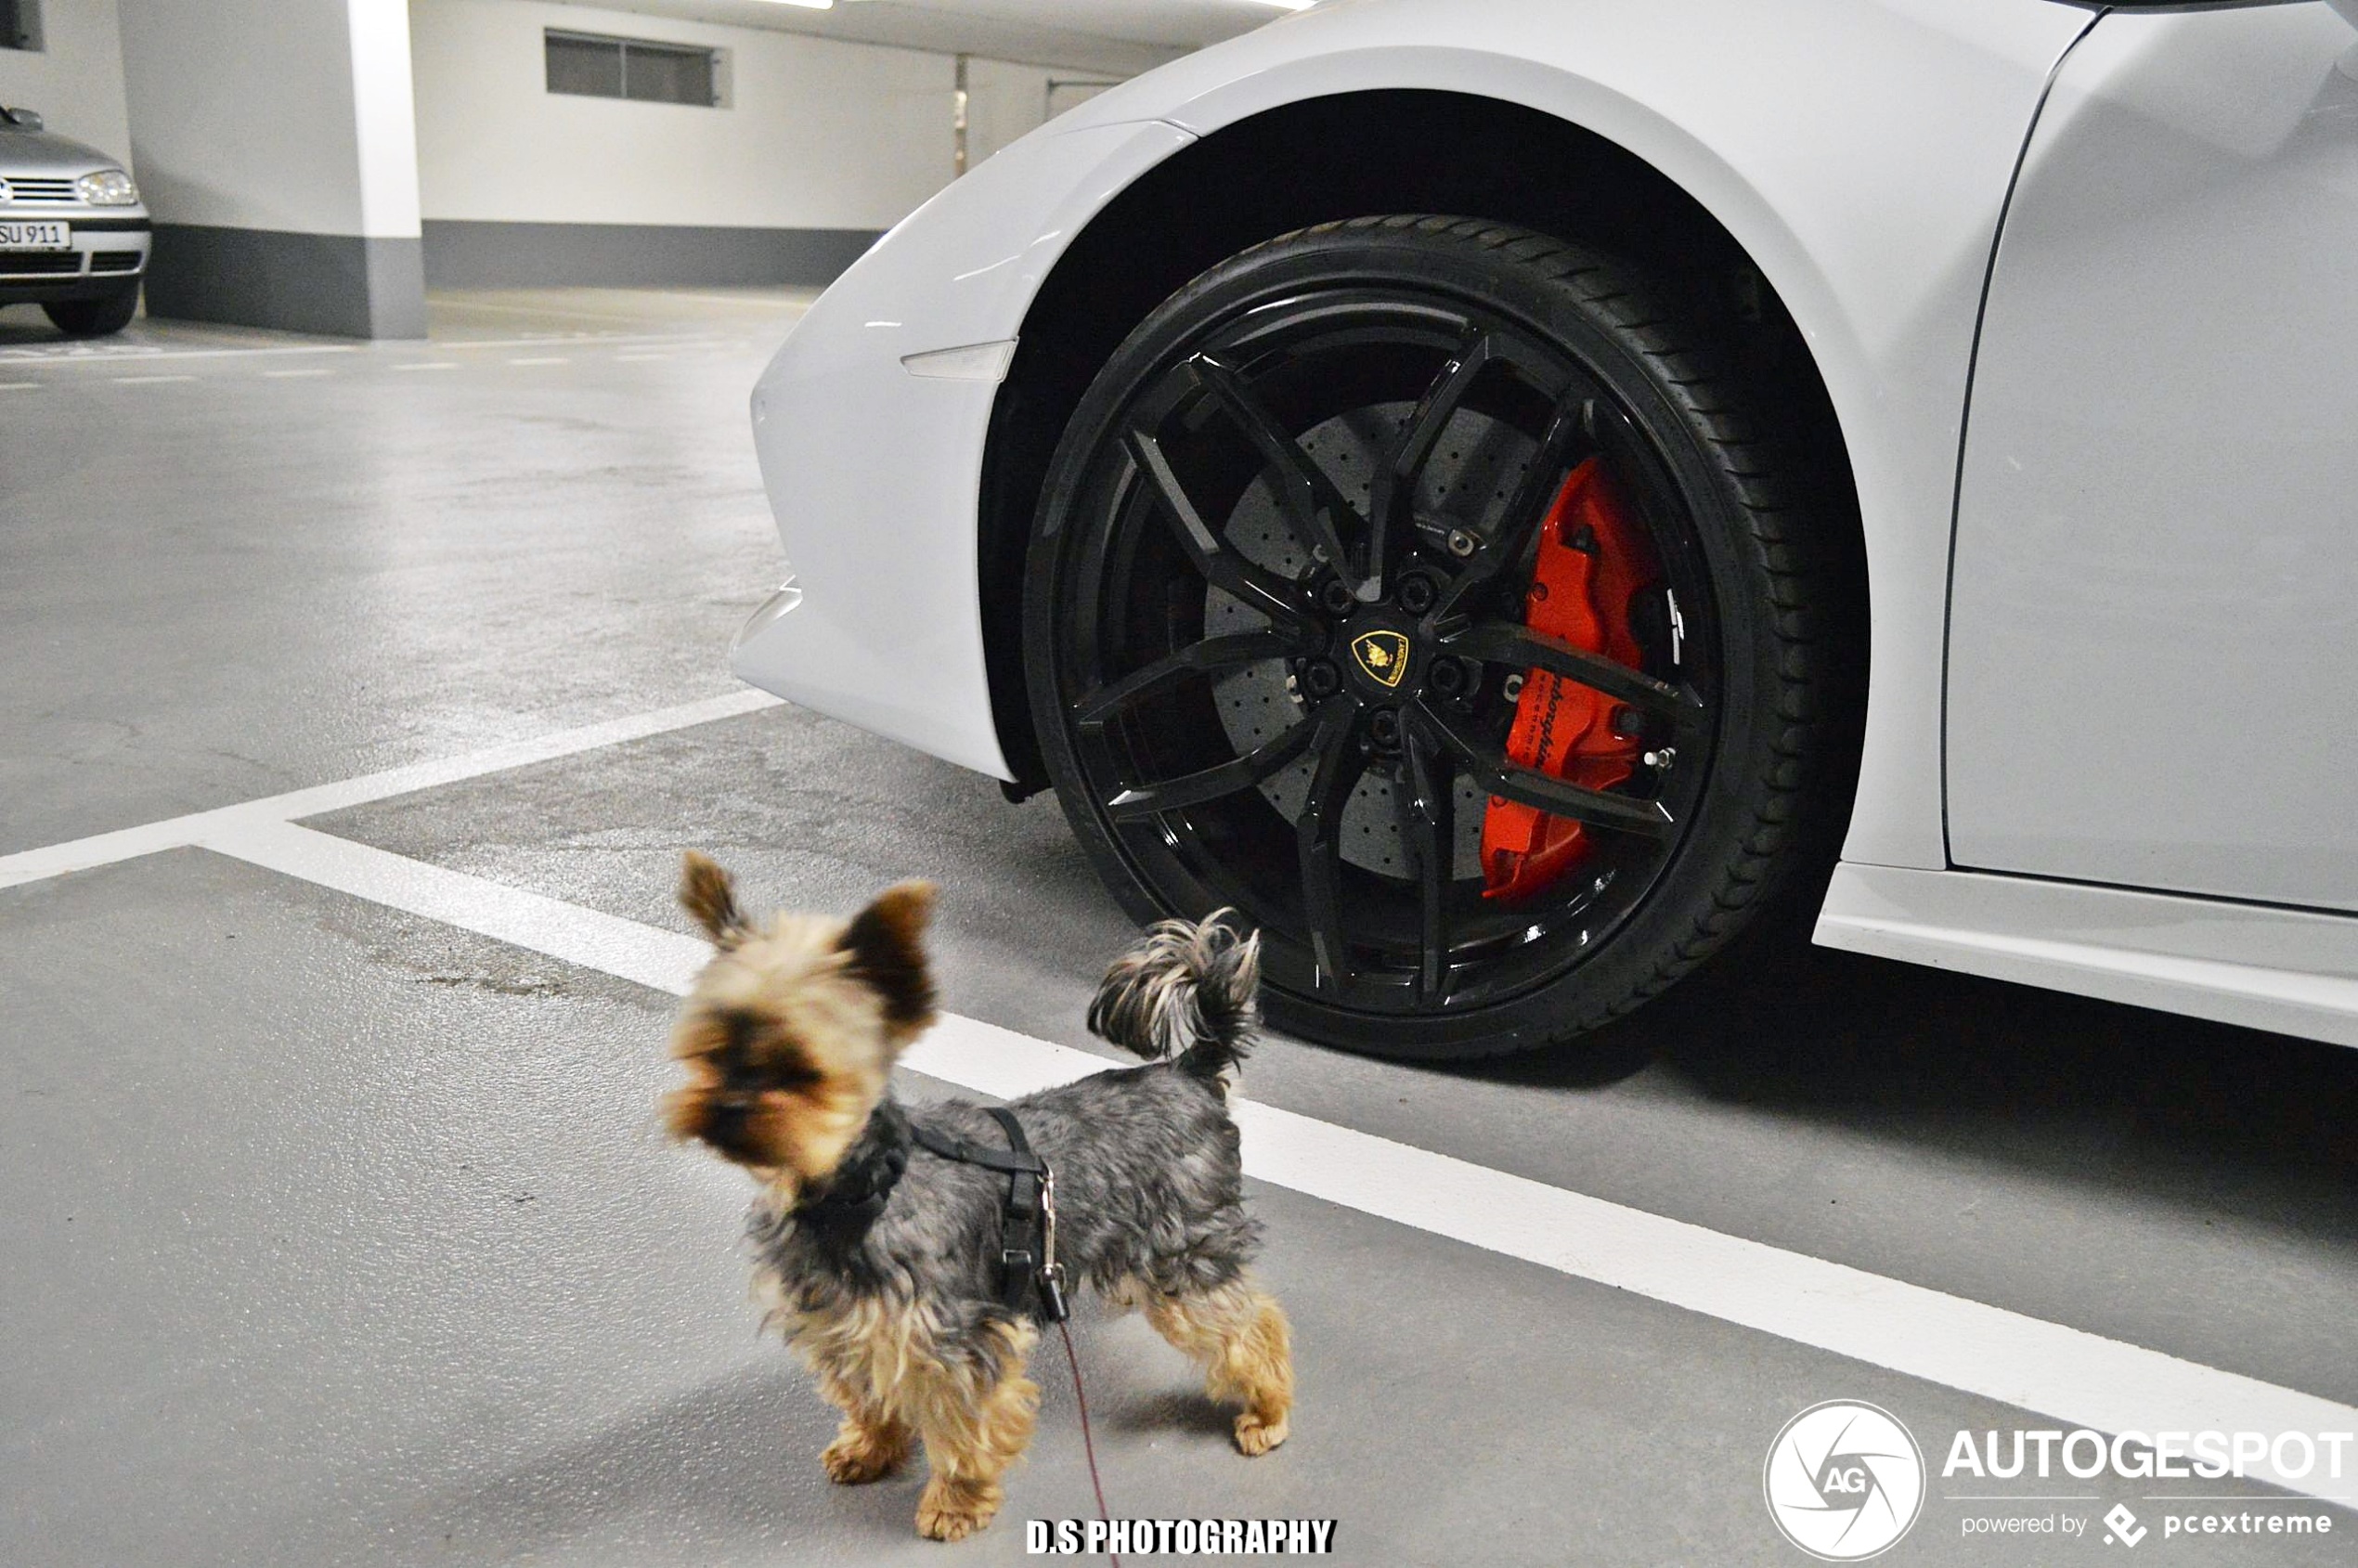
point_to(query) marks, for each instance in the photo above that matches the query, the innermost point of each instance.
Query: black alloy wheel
(1276, 625)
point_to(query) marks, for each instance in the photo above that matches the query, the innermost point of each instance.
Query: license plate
(36, 236)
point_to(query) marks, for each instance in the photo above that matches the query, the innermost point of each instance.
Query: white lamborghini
(1504, 493)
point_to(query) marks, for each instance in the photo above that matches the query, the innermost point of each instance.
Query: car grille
(32, 192)
(16, 263)
(116, 261)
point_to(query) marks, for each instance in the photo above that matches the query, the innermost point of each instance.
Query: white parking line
(118, 353)
(574, 339)
(19, 386)
(148, 381)
(105, 849)
(2083, 1378)
(542, 360)
(429, 365)
(289, 375)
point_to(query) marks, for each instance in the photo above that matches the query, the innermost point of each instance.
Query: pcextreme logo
(1845, 1481)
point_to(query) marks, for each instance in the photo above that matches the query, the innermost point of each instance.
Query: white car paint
(2157, 584)
(1860, 150)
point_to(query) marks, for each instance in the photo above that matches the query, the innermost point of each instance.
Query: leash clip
(1052, 1273)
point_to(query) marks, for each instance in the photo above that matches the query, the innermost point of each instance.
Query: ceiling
(1114, 36)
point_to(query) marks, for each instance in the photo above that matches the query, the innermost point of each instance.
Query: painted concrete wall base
(334, 283)
(462, 253)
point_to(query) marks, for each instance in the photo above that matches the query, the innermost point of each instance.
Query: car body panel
(2294, 971)
(46, 152)
(2155, 608)
(874, 468)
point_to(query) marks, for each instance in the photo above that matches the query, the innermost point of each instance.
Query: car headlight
(108, 188)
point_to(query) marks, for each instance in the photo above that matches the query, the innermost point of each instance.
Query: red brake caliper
(1592, 562)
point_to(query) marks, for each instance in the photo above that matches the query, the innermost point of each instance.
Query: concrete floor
(339, 1234)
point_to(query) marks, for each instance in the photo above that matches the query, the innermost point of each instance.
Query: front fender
(873, 466)
(1859, 150)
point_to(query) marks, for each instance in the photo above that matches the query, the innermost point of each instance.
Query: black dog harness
(1029, 1277)
(1028, 1273)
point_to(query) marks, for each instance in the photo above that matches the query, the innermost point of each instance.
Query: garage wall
(75, 78)
(1006, 101)
(821, 146)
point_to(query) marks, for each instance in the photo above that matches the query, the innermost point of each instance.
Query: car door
(2153, 673)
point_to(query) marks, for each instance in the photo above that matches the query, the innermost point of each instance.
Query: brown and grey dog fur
(789, 1039)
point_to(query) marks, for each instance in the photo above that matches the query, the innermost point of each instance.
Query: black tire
(1347, 333)
(93, 318)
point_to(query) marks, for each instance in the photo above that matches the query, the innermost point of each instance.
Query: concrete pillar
(275, 143)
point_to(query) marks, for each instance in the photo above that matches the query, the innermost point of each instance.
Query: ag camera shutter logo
(1845, 1481)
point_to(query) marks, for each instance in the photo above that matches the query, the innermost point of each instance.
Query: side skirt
(2293, 971)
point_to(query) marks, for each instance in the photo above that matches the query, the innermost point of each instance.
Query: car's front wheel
(93, 318)
(1419, 588)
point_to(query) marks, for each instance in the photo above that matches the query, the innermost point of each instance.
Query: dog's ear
(887, 944)
(708, 893)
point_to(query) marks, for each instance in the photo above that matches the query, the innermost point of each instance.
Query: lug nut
(1336, 597)
(1383, 726)
(1416, 595)
(1321, 679)
(1448, 677)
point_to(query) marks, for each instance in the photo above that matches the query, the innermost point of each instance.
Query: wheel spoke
(1505, 642)
(1427, 827)
(1497, 775)
(1211, 784)
(1221, 566)
(1318, 834)
(1567, 427)
(1395, 483)
(1212, 655)
(1312, 505)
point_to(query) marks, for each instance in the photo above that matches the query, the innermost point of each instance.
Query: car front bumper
(871, 425)
(109, 252)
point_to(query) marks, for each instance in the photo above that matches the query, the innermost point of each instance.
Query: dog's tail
(1186, 992)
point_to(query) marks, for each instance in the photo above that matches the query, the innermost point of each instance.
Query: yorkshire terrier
(880, 1260)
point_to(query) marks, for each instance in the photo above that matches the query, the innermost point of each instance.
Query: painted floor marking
(2082, 1379)
(105, 849)
(150, 381)
(496, 307)
(576, 340)
(121, 353)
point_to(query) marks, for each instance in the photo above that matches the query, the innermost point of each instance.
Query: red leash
(1088, 1444)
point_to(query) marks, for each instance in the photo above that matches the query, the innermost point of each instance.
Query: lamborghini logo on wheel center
(1382, 656)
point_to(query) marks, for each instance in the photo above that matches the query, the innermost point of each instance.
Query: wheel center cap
(1380, 657)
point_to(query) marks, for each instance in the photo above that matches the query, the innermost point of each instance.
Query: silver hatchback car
(73, 235)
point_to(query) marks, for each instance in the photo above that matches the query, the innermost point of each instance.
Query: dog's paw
(855, 1458)
(1256, 1436)
(952, 1513)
